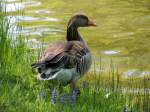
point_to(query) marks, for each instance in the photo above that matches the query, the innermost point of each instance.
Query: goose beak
(91, 23)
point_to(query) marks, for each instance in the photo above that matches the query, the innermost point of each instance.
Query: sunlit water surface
(122, 36)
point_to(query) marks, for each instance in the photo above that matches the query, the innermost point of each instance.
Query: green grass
(21, 92)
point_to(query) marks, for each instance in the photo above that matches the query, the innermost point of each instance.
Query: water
(123, 32)
(111, 52)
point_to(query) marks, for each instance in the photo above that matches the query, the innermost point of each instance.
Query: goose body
(67, 61)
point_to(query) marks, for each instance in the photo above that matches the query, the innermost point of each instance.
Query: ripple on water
(14, 19)
(44, 11)
(32, 3)
(16, 5)
(142, 20)
(123, 34)
(40, 30)
(32, 30)
(35, 44)
(135, 73)
(29, 18)
(12, 0)
(12, 7)
(111, 52)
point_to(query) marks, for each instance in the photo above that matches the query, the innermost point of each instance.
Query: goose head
(80, 20)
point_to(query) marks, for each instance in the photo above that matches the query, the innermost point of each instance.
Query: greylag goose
(67, 61)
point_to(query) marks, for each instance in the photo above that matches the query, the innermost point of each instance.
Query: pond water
(122, 34)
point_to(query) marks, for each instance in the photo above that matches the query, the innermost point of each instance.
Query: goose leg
(75, 88)
(60, 88)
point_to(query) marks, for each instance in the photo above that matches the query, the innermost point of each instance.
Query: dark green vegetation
(102, 92)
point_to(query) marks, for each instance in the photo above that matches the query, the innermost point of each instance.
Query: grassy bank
(21, 92)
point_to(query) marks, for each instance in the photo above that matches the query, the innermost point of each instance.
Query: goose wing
(63, 55)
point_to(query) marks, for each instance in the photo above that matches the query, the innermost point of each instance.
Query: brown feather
(61, 53)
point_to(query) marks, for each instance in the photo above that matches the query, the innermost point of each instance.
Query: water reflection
(32, 3)
(44, 11)
(35, 44)
(12, 7)
(30, 19)
(111, 52)
(40, 30)
(32, 30)
(12, 0)
(135, 73)
(123, 34)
